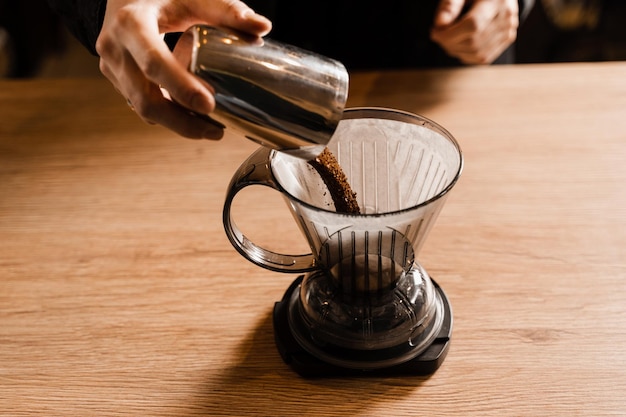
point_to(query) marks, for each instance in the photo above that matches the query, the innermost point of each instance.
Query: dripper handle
(256, 171)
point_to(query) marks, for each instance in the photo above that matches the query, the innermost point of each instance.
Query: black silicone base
(308, 365)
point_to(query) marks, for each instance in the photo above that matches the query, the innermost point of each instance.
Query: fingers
(155, 61)
(139, 64)
(482, 34)
(147, 100)
(234, 14)
(447, 12)
(237, 15)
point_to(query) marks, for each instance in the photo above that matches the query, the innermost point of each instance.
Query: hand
(135, 58)
(481, 34)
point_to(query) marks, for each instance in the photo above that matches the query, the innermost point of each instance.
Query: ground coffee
(335, 179)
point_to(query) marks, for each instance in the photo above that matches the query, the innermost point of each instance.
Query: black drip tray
(308, 365)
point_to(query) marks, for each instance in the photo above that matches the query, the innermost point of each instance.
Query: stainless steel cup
(280, 96)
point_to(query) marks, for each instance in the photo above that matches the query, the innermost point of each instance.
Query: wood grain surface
(120, 294)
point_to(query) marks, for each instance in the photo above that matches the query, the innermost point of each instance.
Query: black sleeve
(83, 18)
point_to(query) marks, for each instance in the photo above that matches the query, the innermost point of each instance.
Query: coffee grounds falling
(333, 176)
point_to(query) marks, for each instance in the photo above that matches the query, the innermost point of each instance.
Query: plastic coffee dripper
(365, 303)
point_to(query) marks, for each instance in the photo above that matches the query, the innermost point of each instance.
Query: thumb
(237, 15)
(448, 11)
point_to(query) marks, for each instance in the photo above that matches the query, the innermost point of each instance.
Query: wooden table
(120, 294)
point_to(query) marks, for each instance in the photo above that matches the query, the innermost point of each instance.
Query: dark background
(31, 36)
